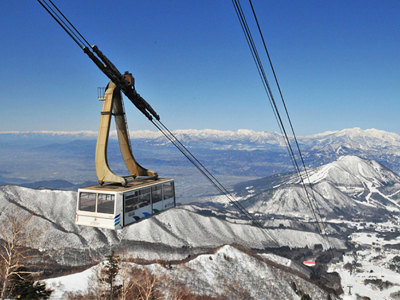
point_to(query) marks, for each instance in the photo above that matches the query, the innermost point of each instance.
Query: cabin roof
(139, 182)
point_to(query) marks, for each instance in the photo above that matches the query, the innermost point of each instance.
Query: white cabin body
(113, 206)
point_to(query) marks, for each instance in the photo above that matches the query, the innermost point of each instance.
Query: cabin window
(87, 202)
(131, 202)
(105, 203)
(168, 190)
(144, 198)
(156, 193)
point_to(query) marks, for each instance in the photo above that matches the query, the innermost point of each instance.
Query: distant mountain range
(48, 157)
(243, 139)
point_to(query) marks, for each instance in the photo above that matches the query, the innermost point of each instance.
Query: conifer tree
(110, 272)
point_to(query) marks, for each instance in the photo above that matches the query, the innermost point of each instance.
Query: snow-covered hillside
(348, 187)
(354, 171)
(173, 234)
(372, 268)
(227, 272)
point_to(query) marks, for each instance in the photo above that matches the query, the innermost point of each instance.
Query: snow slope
(173, 234)
(354, 171)
(227, 272)
(345, 188)
(373, 264)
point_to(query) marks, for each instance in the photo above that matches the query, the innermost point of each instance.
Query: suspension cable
(76, 30)
(63, 23)
(311, 200)
(287, 114)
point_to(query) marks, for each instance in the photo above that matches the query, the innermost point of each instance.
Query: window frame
(109, 198)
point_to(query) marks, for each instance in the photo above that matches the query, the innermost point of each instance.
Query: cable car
(113, 206)
(118, 201)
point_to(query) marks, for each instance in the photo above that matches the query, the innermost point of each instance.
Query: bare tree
(98, 283)
(144, 285)
(125, 267)
(178, 291)
(18, 234)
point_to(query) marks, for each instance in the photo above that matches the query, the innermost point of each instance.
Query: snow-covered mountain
(173, 234)
(374, 144)
(347, 188)
(243, 139)
(354, 138)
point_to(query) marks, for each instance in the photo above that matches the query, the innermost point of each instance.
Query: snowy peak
(352, 170)
(345, 188)
(355, 138)
(217, 139)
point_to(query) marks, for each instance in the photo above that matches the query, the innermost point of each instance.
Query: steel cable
(311, 200)
(288, 117)
(62, 23)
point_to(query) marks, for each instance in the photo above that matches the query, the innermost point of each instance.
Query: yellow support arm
(113, 106)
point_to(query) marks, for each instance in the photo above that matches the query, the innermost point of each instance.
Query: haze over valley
(233, 157)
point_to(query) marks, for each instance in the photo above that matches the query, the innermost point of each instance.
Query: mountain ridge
(261, 136)
(353, 139)
(346, 188)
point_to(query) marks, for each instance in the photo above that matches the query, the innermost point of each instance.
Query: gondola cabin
(113, 206)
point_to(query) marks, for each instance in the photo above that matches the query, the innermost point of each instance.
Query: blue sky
(337, 63)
